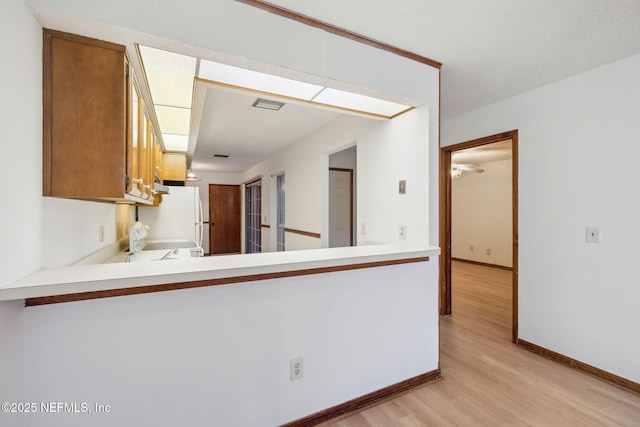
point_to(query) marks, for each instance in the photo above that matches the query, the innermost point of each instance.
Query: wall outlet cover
(296, 367)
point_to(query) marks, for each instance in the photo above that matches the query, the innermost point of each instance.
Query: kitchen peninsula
(117, 279)
(373, 306)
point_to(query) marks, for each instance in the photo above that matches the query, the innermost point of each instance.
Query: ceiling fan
(458, 168)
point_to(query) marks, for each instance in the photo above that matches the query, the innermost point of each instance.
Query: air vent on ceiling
(267, 104)
(221, 156)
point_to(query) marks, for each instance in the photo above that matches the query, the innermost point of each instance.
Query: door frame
(445, 220)
(351, 201)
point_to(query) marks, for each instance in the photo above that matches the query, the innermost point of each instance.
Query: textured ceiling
(491, 49)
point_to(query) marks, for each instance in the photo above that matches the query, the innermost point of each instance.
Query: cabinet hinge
(127, 70)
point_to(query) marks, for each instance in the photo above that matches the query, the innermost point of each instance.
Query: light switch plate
(593, 234)
(402, 187)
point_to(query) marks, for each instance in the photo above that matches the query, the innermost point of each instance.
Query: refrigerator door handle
(200, 223)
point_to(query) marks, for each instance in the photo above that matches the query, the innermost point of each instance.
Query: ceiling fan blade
(469, 167)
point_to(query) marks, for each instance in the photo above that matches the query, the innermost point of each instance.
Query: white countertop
(100, 277)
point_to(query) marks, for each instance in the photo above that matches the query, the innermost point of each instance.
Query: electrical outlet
(470, 248)
(296, 367)
(403, 232)
(363, 228)
(488, 251)
(101, 233)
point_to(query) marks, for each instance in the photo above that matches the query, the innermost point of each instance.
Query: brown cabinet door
(85, 117)
(224, 219)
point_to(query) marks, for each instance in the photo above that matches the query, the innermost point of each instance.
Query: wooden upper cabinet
(85, 117)
(174, 168)
(157, 160)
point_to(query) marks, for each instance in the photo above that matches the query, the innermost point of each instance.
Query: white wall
(388, 151)
(220, 355)
(71, 229)
(346, 159)
(305, 165)
(578, 139)
(12, 359)
(481, 215)
(399, 150)
(21, 175)
(21, 142)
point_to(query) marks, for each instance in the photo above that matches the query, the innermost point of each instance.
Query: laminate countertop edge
(101, 277)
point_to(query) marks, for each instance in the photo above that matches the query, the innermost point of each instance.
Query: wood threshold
(598, 373)
(82, 296)
(362, 402)
(484, 264)
(302, 233)
(286, 13)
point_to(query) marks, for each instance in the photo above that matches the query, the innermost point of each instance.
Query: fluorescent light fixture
(174, 120)
(353, 101)
(170, 79)
(268, 104)
(255, 80)
(169, 75)
(174, 142)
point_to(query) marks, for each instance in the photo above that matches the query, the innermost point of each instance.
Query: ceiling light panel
(257, 81)
(169, 75)
(173, 120)
(174, 142)
(352, 101)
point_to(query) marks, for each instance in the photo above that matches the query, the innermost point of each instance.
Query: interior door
(224, 219)
(340, 207)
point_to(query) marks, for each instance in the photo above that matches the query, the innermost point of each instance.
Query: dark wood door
(224, 219)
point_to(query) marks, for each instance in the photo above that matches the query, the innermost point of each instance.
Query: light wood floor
(489, 381)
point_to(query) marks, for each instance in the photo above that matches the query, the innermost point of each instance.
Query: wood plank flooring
(491, 382)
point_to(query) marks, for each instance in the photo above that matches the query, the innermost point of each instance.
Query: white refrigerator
(179, 216)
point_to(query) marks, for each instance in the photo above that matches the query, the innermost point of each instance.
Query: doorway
(446, 154)
(341, 207)
(224, 219)
(253, 216)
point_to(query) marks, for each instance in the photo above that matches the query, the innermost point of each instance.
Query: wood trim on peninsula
(81, 296)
